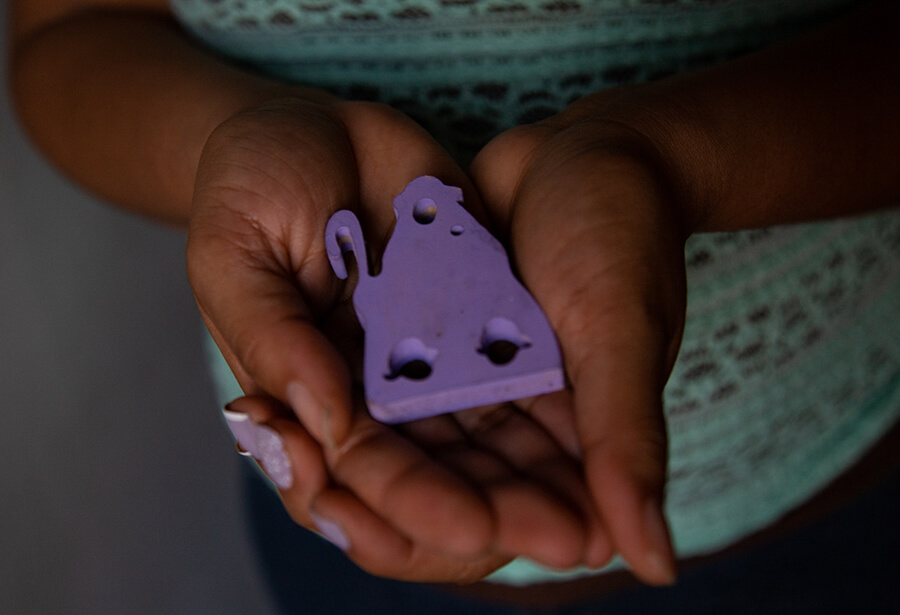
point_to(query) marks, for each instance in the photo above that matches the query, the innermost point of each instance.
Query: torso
(789, 368)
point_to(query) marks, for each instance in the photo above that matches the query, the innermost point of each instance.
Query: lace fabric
(469, 69)
(790, 365)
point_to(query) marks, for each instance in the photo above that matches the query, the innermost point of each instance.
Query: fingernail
(263, 444)
(600, 551)
(243, 431)
(273, 457)
(326, 428)
(660, 557)
(331, 531)
(314, 417)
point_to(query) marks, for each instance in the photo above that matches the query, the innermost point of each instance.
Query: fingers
(553, 412)
(285, 452)
(292, 459)
(379, 549)
(619, 414)
(270, 340)
(541, 508)
(571, 526)
(432, 505)
(416, 499)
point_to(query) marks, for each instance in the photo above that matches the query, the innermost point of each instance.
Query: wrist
(645, 125)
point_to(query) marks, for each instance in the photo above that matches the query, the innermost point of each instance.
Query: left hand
(593, 226)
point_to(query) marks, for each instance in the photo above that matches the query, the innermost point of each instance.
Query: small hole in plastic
(411, 359)
(416, 369)
(425, 211)
(501, 341)
(501, 352)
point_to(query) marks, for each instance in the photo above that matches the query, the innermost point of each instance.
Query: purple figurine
(447, 324)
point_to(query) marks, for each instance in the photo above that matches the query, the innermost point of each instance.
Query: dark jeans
(846, 562)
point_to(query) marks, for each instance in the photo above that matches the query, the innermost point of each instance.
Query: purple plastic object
(448, 326)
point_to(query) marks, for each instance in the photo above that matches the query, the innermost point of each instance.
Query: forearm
(123, 102)
(806, 130)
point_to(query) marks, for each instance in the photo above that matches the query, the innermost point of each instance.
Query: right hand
(421, 502)
(597, 229)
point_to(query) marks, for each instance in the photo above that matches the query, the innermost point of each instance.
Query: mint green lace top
(790, 366)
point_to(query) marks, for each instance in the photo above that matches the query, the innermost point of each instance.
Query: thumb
(618, 404)
(606, 264)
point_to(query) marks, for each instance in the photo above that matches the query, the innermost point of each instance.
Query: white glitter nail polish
(331, 531)
(273, 457)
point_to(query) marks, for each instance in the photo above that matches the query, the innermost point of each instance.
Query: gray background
(119, 486)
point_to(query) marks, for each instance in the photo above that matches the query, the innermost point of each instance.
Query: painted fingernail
(273, 457)
(243, 431)
(331, 531)
(263, 444)
(311, 413)
(659, 557)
